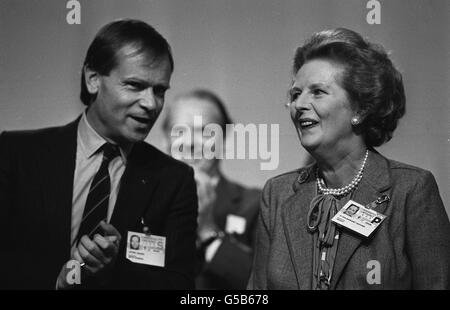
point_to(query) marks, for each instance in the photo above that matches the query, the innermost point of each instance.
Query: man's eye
(135, 86)
(159, 91)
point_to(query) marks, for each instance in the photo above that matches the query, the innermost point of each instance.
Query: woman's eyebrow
(319, 85)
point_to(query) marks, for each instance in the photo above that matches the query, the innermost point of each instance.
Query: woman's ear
(91, 78)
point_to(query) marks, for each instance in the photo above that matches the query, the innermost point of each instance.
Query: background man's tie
(96, 208)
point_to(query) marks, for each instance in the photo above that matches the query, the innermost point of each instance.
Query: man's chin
(138, 137)
(133, 137)
(205, 165)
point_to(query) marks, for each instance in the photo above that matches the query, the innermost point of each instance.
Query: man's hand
(97, 255)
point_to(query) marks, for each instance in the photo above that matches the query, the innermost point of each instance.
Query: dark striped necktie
(96, 208)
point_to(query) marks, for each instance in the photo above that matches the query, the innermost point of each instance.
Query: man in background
(77, 192)
(227, 210)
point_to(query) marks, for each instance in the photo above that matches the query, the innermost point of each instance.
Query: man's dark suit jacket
(36, 186)
(231, 265)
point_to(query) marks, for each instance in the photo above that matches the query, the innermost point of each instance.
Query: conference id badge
(235, 224)
(146, 249)
(357, 218)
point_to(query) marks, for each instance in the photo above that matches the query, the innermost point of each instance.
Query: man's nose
(148, 100)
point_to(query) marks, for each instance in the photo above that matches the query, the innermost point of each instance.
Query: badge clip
(382, 199)
(145, 228)
(378, 201)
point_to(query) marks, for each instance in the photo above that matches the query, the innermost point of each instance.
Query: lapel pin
(303, 176)
(382, 199)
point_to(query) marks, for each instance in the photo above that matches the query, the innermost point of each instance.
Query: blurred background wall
(241, 49)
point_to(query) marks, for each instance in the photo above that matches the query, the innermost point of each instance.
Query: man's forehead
(189, 107)
(146, 59)
(130, 51)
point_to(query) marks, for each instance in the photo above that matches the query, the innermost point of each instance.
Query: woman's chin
(308, 144)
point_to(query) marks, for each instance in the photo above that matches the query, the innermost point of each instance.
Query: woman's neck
(338, 169)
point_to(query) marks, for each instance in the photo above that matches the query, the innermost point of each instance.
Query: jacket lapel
(376, 179)
(139, 181)
(294, 217)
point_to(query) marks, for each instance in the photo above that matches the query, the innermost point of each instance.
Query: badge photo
(146, 249)
(235, 224)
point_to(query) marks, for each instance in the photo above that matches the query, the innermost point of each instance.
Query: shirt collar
(91, 141)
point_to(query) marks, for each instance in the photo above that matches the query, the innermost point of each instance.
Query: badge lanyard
(324, 256)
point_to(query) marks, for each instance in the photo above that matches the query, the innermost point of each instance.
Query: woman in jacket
(346, 99)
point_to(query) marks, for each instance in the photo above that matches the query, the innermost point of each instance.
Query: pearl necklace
(346, 189)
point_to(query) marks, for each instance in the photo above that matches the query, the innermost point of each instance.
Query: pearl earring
(354, 121)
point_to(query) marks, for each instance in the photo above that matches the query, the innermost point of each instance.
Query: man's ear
(91, 79)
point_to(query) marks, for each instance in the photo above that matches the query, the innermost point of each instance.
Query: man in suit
(227, 210)
(77, 192)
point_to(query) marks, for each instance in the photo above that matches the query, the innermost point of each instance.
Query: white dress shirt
(88, 161)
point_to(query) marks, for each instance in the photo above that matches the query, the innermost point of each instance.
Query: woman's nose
(300, 103)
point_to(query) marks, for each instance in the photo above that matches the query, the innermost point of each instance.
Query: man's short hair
(201, 94)
(101, 56)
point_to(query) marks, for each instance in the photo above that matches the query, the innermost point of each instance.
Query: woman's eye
(317, 92)
(294, 96)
